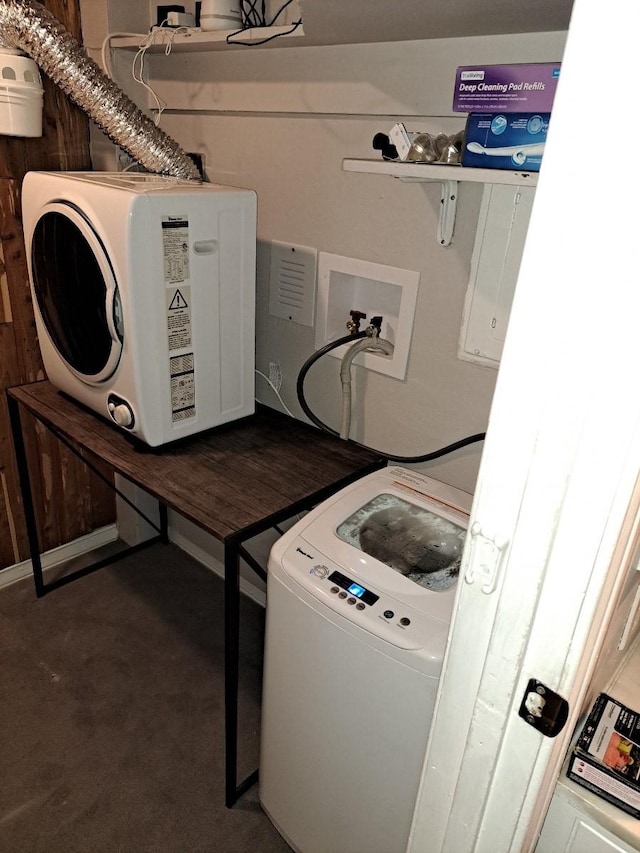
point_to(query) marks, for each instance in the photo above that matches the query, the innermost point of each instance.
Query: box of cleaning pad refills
(505, 140)
(521, 88)
(606, 757)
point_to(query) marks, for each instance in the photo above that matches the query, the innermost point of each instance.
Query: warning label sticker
(183, 387)
(179, 317)
(175, 245)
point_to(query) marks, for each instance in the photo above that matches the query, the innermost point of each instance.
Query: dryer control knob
(122, 415)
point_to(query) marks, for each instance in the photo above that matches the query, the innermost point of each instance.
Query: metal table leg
(30, 519)
(233, 791)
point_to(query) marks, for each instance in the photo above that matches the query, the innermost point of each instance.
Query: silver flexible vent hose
(27, 25)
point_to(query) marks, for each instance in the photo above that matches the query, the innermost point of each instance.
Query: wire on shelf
(254, 18)
(156, 35)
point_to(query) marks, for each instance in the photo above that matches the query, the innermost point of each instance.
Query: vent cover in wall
(292, 283)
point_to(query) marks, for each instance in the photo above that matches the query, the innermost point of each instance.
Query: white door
(551, 509)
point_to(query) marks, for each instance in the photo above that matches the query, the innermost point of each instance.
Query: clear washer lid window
(414, 541)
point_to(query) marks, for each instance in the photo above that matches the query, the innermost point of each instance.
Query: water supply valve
(353, 325)
(375, 324)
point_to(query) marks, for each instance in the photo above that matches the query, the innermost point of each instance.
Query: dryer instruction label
(175, 247)
(175, 244)
(183, 387)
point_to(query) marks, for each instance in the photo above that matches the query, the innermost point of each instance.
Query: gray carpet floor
(111, 714)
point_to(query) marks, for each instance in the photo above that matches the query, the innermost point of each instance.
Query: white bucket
(220, 15)
(20, 95)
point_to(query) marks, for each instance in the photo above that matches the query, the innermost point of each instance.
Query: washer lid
(76, 292)
(408, 537)
(398, 529)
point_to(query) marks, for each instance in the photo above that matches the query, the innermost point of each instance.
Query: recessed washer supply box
(505, 140)
(506, 88)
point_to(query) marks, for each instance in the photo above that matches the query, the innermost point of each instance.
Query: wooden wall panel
(11, 530)
(69, 499)
(27, 351)
(64, 144)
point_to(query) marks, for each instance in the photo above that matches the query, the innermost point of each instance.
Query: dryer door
(76, 292)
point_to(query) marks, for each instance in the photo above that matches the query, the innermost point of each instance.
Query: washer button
(359, 606)
(388, 614)
(334, 589)
(404, 621)
(342, 594)
(351, 601)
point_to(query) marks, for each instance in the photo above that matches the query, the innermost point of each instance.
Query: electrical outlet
(275, 375)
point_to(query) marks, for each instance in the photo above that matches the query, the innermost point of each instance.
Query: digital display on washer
(354, 588)
(411, 539)
(357, 590)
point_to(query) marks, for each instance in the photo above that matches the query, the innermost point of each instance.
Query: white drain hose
(370, 344)
(27, 25)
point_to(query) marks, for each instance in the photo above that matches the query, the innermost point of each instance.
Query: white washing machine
(144, 297)
(359, 600)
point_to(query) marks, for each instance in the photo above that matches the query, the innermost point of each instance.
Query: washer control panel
(353, 590)
(373, 609)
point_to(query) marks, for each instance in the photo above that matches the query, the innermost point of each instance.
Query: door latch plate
(543, 709)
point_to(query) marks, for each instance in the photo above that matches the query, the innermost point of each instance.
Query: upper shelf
(429, 172)
(196, 40)
(336, 22)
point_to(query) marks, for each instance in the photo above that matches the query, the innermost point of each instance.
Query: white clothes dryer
(359, 600)
(144, 297)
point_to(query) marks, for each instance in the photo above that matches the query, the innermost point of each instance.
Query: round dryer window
(76, 292)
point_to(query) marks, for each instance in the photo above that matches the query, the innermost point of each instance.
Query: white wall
(280, 121)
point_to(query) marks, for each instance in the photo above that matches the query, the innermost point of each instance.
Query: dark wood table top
(235, 479)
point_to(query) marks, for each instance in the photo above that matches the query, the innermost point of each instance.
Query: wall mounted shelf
(196, 40)
(333, 22)
(431, 172)
(447, 176)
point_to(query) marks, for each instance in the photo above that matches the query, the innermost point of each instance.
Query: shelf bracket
(448, 204)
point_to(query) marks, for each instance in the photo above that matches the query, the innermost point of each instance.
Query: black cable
(425, 457)
(251, 16)
(254, 19)
(230, 38)
(279, 12)
(308, 365)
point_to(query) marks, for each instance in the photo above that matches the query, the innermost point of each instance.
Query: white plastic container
(220, 15)
(21, 94)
